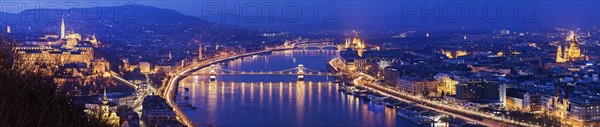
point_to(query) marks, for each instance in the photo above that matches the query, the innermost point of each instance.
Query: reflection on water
(266, 100)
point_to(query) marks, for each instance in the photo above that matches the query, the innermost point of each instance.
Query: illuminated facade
(101, 66)
(52, 51)
(570, 53)
(418, 86)
(53, 57)
(356, 44)
(446, 85)
(145, 67)
(456, 54)
(585, 112)
(104, 111)
(93, 40)
(108, 115)
(360, 64)
(557, 105)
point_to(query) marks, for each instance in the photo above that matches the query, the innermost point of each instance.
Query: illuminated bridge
(320, 45)
(300, 71)
(264, 83)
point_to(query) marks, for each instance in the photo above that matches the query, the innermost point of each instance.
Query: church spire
(104, 98)
(62, 29)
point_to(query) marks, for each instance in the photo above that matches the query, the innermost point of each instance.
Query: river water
(278, 100)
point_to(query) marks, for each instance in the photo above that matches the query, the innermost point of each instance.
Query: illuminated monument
(357, 63)
(570, 53)
(51, 51)
(107, 114)
(356, 44)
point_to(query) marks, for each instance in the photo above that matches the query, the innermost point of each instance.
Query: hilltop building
(46, 54)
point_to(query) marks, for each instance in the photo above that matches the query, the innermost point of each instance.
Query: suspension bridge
(300, 71)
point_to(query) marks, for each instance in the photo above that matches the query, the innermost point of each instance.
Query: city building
(391, 75)
(418, 85)
(137, 77)
(558, 105)
(360, 64)
(104, 111)
(107, 114)
(477, 90)
(45, 54)
(455, 54)
(356, 44)
(101, 66)
(157, 113)
(446, 85)
(200, 55)
(585, 111)
(145, 67)
(570, 53)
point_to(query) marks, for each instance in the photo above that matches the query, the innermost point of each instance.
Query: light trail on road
(387, 91)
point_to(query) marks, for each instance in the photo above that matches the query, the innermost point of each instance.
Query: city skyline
(329, 63)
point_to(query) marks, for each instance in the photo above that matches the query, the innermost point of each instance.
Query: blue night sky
(456, 13)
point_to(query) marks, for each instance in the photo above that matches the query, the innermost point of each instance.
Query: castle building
(101, 66)
(570, 53)
(49, 52)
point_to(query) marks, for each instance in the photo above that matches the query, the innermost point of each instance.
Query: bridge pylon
(213, 72)
(300, 72)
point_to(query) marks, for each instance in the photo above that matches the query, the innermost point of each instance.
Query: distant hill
(130, 12)
(127, 23)
(101, 20)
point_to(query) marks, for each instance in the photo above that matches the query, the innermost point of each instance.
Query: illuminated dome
(573, 39)
(355, 43)
(570, 53)
(356, 40)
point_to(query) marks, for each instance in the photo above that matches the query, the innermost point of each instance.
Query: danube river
(278, 100)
